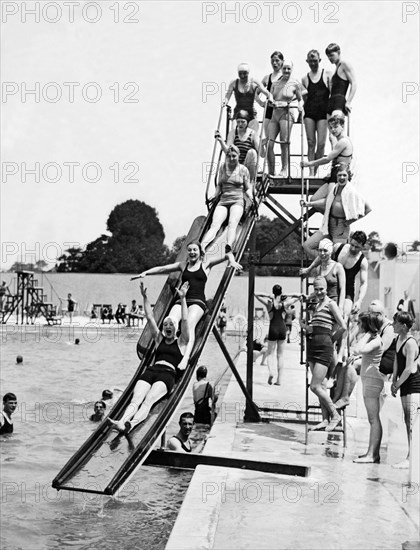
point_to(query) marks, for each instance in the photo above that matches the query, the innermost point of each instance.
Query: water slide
(106, 461)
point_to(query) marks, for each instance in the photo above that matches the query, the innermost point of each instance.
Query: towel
(354, 205)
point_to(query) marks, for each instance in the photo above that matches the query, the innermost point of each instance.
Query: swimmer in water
(99, 411)
(9, 407)
(181, 442)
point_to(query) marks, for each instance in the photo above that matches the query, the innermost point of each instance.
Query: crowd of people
(337, 351)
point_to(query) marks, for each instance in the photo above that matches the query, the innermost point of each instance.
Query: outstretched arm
(304, 272)
(264, 299)
(149, 313)
(159, 269)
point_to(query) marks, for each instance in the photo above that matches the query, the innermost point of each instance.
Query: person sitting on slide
(158, 379)
(194, 271)
(246, 141)
(233, 186)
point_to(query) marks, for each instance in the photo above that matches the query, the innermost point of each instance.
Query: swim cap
(326, 244)
(107, 394)
(376, 306)
(287, 63)
(19, 359)
(320, 281)
(243, 67)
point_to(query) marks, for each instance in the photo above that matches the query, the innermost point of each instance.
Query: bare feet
(334, 422)
(117, 425)
(342, 403)
(319, 427)
(402, 465)
(367, 460)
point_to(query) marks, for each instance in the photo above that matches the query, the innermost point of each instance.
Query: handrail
(212, 158)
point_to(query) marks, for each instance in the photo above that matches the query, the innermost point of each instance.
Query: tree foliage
(270, 250)
(135, 243)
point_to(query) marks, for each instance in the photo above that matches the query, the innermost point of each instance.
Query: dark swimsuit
(186, 449)
(339, 89)
(412, 384)
(202, 413)
(197, 281)
(277, 329)
(316, 104)
(161, 372)
(350, 273)
(244, 101)
(7, 426)
(269, 110)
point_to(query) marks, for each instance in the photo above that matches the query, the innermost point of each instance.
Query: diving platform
(293, 186)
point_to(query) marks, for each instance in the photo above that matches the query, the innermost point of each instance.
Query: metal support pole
(253, 415)
(250, 332)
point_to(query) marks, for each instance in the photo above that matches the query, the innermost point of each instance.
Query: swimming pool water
(56, 386)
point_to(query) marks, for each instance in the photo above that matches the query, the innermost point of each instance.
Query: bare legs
(319, 372)
(410, 404)
(347, 377)
(275, 359)
(316, 134)
(235, 213)
(195, 313)
(144, 397)
(373, 407)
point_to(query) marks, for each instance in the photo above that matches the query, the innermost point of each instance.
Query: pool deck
(341, 505)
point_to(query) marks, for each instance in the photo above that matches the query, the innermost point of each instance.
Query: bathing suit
(233, 185)
(202, 413)
(339, 89)
(277, 329)
(412, 384)
(243, 146)
(350, 273)
(372, 379)
(245, 100)
(70, 305)
(269, 110)
(161, 372)
(186, 449)
(7, 426)
(332, 283)
(320, 348)
(316, 104)
(197, 281)
(280, 93)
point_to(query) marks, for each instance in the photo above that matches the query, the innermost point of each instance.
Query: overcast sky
(154, 105)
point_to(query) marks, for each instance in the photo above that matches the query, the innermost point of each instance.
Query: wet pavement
(341, 505)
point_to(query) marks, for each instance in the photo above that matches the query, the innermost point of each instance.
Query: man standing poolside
(9, 407)
(181, 442)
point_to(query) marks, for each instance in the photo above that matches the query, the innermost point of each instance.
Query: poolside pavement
(341, 505)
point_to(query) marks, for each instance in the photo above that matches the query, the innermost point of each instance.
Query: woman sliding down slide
(158, 379)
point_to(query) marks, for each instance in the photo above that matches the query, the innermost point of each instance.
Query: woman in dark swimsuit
(194, 271)
(276, 305)
(406, 375)
(159, 378)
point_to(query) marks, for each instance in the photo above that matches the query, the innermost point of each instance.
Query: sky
(127, 98)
